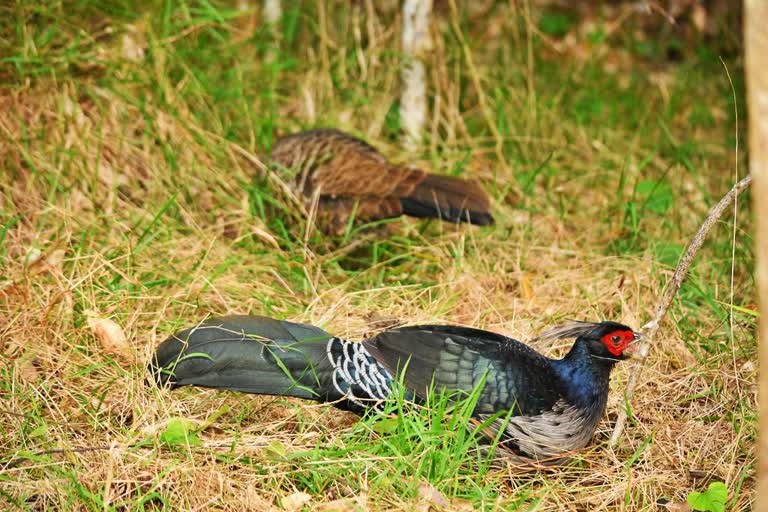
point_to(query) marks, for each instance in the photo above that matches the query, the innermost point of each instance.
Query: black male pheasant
(554, 404)
(345, 175)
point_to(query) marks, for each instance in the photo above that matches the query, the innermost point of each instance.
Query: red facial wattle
(617, 341)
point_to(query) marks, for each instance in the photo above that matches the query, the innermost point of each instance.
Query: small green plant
(711, 500)
(180, 432)
(657, 195)
(556, 23)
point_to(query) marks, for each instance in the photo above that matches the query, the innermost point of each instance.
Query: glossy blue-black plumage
(267, 356)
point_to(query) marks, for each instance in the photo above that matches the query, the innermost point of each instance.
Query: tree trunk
(416, 42)
(756, 45)
(272, 11)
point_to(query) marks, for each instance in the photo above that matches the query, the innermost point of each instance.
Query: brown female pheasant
(348, 175)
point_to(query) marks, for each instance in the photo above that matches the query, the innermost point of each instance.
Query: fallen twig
(681, 271)
(12, 463)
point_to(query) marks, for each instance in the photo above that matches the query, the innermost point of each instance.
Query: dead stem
(651, 327)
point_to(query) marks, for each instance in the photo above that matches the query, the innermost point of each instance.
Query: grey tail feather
(247, 353)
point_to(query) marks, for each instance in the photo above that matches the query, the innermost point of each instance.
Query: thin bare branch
(83, 449)
(671, 290)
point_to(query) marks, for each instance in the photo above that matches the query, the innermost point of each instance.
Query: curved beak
(632, 346)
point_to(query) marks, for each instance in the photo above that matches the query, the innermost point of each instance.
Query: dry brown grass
(90, 158)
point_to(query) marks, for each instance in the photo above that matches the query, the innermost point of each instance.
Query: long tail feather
(247, 353)
(448, 198)
(262, 355)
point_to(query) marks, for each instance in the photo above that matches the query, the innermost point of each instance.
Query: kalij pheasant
(554, 405)
(349, 175)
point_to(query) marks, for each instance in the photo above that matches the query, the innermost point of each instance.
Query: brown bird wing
(334, 213)
(362, 176)
(338, 164)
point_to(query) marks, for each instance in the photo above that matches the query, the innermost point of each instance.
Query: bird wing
(354, 174)
(458, 358)
(335, 212)
(337, 164)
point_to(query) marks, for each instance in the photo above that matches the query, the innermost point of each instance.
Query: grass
(129, 188)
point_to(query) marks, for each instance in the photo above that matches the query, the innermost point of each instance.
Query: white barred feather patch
(356, 374)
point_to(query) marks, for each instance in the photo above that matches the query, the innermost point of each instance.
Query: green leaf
(556, 24)
(180, 432)
(639, 451)
(741, 309)
(385, 425)
(711, 500)
(39, 431)
(657, 196)
(669, 253)
(392, 121)
(275, 450)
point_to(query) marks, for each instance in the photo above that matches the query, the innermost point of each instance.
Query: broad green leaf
(556, 24)
(180, 432)
(385, 425)
(275, 450)
(656, 195)
(711, 500)
(669, 253)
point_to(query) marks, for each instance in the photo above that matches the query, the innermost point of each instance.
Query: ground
(134, 201)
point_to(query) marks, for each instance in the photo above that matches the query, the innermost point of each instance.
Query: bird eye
(616, 339)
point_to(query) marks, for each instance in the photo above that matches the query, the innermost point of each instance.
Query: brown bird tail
(448, 198)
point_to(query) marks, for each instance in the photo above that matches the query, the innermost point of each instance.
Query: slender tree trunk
(272, 11)
(416, 42)
(756, 44)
